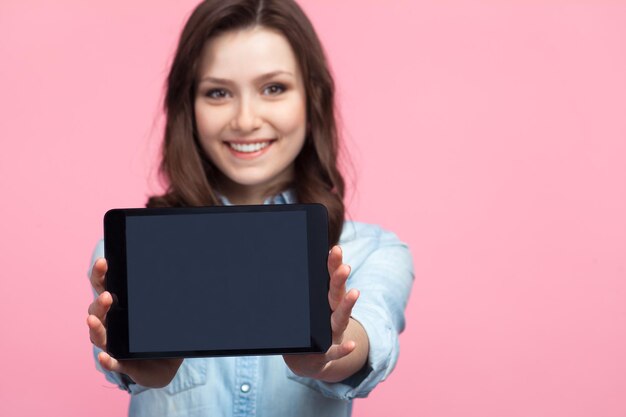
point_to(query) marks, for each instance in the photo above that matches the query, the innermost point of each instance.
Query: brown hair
(190, 176)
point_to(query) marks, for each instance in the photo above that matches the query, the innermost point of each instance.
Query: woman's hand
(154, 373)
(350, 347)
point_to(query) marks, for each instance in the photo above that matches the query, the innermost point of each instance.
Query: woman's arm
(383, 272)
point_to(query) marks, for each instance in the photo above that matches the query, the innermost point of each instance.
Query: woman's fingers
(101, 305)
(97, 332)
(337, 287)
(98, 273)
(340, 318)
(96, 319)
(336, 352)
(129, 368)
(109, 363)
(155, 373)
(99, 308)
(335, 258)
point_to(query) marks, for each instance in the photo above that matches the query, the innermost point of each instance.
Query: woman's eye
(274, 89)
(217, 93)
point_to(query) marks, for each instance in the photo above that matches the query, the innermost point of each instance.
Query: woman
(250, 120)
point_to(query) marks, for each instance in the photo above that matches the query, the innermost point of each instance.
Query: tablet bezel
(116, 279)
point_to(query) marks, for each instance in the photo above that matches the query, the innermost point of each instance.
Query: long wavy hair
(190, 177)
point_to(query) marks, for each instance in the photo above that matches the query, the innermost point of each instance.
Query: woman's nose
(246, 117)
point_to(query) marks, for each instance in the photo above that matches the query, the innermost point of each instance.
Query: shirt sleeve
(384, 279)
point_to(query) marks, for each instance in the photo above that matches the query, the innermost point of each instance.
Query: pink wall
(489, 135)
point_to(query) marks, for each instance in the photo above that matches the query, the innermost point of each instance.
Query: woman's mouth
(249, 149)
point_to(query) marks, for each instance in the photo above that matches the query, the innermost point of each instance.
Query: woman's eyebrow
(272, 75)
(260, 78)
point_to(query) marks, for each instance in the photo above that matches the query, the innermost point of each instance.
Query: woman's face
(250, 110)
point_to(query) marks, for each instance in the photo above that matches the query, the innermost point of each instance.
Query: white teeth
(249, 147)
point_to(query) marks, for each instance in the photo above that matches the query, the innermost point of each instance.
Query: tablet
(217, 281)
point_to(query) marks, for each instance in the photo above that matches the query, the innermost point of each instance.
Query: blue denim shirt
(264, 386)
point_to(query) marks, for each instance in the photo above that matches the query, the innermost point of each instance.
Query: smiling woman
(250, 119)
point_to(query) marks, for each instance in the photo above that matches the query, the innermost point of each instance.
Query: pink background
(491, 136)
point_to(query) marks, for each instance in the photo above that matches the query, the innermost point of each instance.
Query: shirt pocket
(192, 373)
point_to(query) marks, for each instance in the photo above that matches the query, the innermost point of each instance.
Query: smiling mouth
(249, 147)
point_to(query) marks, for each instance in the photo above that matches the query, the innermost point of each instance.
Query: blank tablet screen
(242, 277)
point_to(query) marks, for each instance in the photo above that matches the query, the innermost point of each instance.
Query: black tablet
(217, 281)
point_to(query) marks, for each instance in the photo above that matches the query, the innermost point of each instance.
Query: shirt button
(244, 388)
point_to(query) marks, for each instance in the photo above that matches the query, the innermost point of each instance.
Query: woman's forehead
(247, 53)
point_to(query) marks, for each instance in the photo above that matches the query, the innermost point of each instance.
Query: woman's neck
(254, 194)
(245, 195)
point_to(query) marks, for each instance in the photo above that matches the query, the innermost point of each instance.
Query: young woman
(250, 120)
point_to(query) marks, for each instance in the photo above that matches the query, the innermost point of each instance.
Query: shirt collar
(286, 197)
